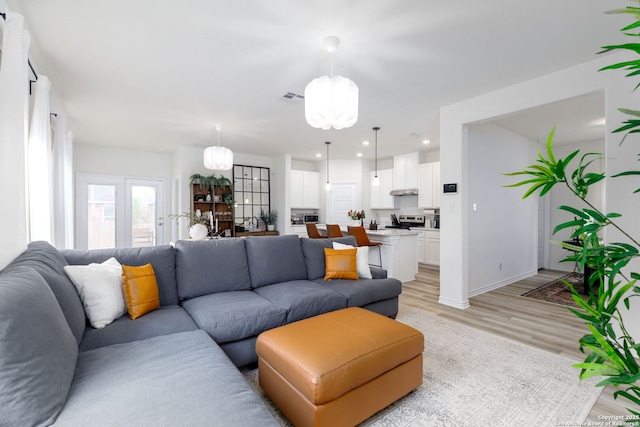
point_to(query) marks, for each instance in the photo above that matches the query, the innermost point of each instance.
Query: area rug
(474, 378)
(556, 291)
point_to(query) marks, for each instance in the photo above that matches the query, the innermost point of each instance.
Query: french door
(115, 211)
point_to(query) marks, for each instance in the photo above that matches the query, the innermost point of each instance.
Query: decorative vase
(198, 231)
(271, 227)
(356, 222)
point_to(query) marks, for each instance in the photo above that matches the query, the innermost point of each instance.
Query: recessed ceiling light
(318, 155)
(425, 141)
(365, 143)
(359, 154)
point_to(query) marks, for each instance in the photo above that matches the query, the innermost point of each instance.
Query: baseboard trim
(501, 283)
(453, 303)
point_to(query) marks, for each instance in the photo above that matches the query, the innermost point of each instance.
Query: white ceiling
(159, 74)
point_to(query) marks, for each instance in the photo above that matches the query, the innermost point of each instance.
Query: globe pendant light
(331, 101)
(218, 158)
(376, 180)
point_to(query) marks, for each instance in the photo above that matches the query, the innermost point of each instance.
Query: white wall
(502, 238)
(454, 158)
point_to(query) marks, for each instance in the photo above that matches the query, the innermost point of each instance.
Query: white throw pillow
(362, 259)
(100, 289)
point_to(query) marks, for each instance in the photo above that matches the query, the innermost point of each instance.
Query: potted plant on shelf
(198, 224)
(269, 218)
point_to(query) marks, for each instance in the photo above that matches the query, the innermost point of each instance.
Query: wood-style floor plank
(504, 312)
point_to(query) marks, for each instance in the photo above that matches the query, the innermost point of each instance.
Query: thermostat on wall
(450, 188)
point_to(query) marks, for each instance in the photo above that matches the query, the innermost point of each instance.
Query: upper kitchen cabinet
(429, 186)
(304, 189)
(380, 197)
(405, 171)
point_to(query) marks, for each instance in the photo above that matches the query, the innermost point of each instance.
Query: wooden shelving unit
(218, 208)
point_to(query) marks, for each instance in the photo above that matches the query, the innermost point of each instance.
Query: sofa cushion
(313, 251)
(302, 298)
(168, 319)
(362, 259)
(232, 316)
(140, 290)
(340, 264)
(161, 257)
(362, 292)
(173, 380)
(100, 288)
(38, 352)
(49, 263)
(275, 259)
(208, 266)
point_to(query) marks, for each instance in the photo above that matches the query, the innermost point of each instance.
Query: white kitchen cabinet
(304, 189)
(429, 186)
(380, 197)
(405, 171)
(432, 247)
(300, 230)
(421, 247)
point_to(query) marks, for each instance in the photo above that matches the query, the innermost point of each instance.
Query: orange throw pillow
(340, 264)
(140, 290)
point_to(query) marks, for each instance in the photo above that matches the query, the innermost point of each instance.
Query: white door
(343, 198)
(115, 211)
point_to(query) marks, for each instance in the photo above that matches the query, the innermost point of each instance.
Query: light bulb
(327, 186)
(376, 181)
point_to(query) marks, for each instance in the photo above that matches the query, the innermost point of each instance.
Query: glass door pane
(101, 216)
(143, 216)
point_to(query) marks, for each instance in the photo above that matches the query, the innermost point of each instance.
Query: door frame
(123, 207)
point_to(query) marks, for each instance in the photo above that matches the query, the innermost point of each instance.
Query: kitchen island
(398, 251)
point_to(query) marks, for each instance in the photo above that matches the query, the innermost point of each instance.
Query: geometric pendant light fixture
(218, 158)
(331, 101)
(376, 180)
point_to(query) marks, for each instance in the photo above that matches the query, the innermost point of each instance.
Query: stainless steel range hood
(404, 192)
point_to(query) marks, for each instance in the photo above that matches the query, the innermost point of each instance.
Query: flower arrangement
(356, 215)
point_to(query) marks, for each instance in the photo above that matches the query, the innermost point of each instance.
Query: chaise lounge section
(173, 365)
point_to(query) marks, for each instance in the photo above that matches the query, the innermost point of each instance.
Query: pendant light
(217, 157)
(376, 180)
(327, 186)
(331, 101)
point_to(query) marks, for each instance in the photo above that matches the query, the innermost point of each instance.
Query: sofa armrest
(378, 273)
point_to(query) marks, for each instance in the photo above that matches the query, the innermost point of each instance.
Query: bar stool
(312, 232)
(333, 230)
(362, 239)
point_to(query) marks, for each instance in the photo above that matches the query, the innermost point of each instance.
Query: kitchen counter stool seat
(362, 239)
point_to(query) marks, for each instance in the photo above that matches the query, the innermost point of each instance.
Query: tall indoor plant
(612, 351)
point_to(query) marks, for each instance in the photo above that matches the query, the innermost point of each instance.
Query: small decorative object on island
(269, 218)
(356, 216)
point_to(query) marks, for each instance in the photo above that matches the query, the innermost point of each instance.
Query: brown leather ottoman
(339, 368)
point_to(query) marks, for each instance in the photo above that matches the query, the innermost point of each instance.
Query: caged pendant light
(217, 157)
(331, 101)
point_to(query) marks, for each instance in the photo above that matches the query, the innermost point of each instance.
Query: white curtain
(14, 93)
(39, 188)
(62, 184)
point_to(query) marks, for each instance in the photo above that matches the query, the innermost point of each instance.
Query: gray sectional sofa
(175, 365)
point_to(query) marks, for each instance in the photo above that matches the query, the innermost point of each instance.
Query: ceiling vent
(292, 98)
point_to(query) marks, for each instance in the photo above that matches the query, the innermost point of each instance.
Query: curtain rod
(4, 16)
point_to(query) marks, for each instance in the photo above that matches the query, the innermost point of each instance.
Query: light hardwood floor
(504, 312)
